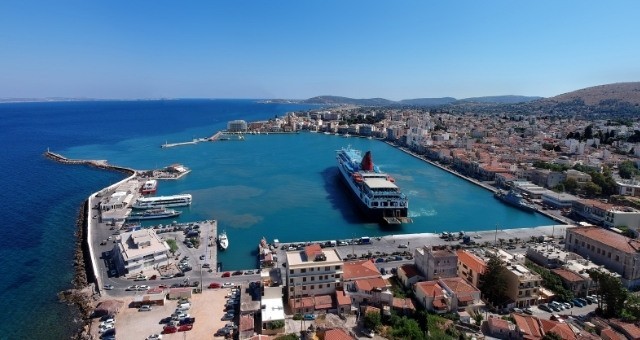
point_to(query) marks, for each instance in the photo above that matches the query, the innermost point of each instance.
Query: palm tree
(501, 241)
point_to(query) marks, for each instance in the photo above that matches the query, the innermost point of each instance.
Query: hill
(352, 101)
(511, 99)
(596, 95)
(428, 101)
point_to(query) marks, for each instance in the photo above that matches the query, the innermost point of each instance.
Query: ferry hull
(376, 215)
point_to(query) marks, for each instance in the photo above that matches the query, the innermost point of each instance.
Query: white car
(227, 284)
(143, 287)
(107, 322)
(106, 327)
(144, 308)
(108, 287)
(154, 337)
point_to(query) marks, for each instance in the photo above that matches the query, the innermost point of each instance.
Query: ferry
(149, 187)
(376, 193)
(162, 201)
(223, 240)
(153, 214)
(515, 199)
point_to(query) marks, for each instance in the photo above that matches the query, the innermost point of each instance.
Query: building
(446, 295)
(622, 216)
(138, 250)
(628, 187)
(522, 285)
(578, 284)
(408, 274)
(237, 126)
(616, 252)
(558, 200)
(431, 296)
(434, 263)
(363, 283)
(550, 256)
(272, 310)
(592, 210)
(312, 272)
(470, 267)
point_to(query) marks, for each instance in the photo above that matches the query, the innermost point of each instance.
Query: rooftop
(475, 263)
(299, 258)
(137, 244)
(609, 238)
(359, 269)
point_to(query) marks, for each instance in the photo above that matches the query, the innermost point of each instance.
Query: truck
(365, 240)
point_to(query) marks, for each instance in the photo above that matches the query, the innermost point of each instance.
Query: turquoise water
(277, 186)
(285, 186)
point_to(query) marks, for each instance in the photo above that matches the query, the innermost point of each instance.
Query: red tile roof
(473, 262)
(323, 302)
(527, 326)
(610, 334)
(459, 286)
(498, 324)
(246, 323)
(353, 270)
(429, 288)
(337, 334)
(342, 298)
(608, 238)
(630, 329)
(405, 303)
(312, 250)
(368, 285)
(568, 275)
(409, 270)
(559, 328)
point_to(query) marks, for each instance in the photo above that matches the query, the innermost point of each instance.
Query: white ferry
(162, 201)
(377, 195)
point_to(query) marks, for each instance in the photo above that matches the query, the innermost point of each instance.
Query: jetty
(101, 164)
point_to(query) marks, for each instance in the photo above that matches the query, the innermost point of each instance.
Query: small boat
(223, 240)
(149, 187)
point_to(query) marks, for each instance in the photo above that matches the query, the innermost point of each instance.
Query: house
(408, 274)
(434, 263)
(501, 329)
(522, 286)
(246, 326)
(335, 334)
(461, 293)
(431, 296)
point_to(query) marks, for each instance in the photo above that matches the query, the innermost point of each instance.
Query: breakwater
(100, 164)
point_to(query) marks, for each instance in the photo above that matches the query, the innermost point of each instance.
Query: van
(184, 305)
(365, 240)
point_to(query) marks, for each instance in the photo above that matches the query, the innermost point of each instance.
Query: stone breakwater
(100, 164)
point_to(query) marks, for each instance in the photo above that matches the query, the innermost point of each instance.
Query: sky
(299, 49)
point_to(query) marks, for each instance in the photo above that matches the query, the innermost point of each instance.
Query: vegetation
(550, 166)
(277, 324)
(372, 320)
(627, 169)
(297, 316)
(494, 282)
(611, 294)
(173, 246)
(551, 281)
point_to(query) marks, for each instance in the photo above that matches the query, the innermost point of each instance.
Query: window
(291, 271)
(313, 287)
(337, 267)
(304, 279)
(320, 285)
(304, 287)
(313, 278)
(291, 281)
(310, 269)
(327, 268)
(303, 270)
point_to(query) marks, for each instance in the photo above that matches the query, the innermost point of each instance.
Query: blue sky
(299, 49)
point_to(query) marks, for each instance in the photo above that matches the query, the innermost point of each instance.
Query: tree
(404, 328)
(372, 320)
(611, 293)
(592, 189)
(627, 169)
(494, 281)
(570, 185)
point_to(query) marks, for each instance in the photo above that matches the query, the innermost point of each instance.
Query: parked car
(134, 287)
(528, 311)
(403, 246)
(140, 278)
(227, 285)
(143, 288)
(108, 287)
(144, 308)
(185, 328)
(237, 272)
(214, 285)
(578, 303)
(184, 305)
(228, 316)
(226, 274)
(518, 310)
(155, 337)
(169, 329)
(544, 307)
(106, 327)
(309, 317)
(368, 333)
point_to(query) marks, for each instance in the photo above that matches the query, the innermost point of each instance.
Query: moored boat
(514, 199)
(153, 214)
(149, 187)
(162, 201)
(223, 240)
(376, 193)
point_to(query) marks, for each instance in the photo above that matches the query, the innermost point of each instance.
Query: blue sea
(282, 186)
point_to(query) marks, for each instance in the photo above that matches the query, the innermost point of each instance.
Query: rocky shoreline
(81, 296)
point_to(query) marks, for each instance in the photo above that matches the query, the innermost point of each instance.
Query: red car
(214, 285)
(185, 328)
(169, 329)
(226, 274)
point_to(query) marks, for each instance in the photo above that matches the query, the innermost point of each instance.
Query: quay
(101, 164)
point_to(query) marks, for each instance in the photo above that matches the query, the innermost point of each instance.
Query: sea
(276, 186)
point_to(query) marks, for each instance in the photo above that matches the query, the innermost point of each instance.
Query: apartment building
(470, 267)
(434, 263)
(616, 252)
(140, 249)
(522, 285)
(313, 271)
(446, 295)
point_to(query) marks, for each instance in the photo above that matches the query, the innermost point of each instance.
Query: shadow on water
(341, 199)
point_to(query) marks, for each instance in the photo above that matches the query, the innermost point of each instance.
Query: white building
(313, 271)
(237, 126)
(138, 250)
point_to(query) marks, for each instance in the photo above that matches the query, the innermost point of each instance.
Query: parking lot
(207, 308)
